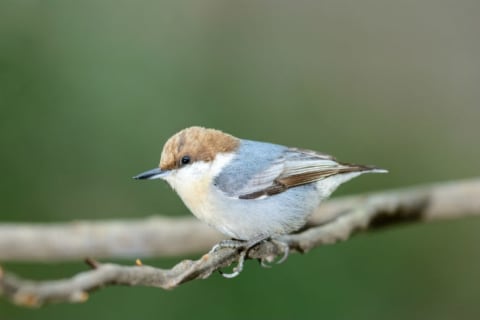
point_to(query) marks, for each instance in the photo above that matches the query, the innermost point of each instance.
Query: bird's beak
(156, 173)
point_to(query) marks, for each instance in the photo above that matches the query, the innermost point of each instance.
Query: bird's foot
(243, 246)
(264, 262)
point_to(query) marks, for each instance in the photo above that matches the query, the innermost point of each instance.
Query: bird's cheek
(171, 179)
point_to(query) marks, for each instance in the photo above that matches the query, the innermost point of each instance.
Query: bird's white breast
(194, 183)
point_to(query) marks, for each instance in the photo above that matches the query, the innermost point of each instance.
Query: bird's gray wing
(292, 167)
(254, 168)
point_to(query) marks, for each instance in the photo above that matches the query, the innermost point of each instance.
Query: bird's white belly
(257, 218)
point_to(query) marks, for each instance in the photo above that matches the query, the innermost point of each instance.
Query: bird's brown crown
(197, 143)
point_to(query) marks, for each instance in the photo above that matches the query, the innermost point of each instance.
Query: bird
(249, 190)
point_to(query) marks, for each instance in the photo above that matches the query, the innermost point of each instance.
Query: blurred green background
(90, 90)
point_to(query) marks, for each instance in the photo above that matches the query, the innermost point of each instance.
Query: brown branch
(334, 221)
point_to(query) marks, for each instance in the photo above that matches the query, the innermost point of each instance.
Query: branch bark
(334, 221)
(149, 237)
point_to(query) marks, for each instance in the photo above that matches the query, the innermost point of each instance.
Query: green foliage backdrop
(90, 90)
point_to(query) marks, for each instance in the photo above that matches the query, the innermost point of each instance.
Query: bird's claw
(244, 247)
(238, 268)
(264, 262)
(285, 248)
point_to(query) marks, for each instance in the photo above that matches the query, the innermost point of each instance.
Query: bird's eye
(185, 160)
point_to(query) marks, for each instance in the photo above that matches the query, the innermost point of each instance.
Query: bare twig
(148, 237)
(334, 221)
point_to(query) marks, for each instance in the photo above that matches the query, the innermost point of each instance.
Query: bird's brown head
(195, 144)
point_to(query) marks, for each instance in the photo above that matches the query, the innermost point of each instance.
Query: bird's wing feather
(294, 168)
